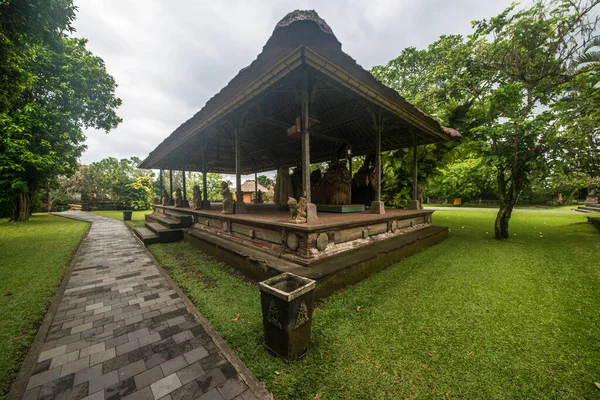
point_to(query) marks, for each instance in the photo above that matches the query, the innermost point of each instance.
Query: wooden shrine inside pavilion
(301, 101)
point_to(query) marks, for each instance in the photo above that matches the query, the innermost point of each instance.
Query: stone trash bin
(287, 302)
(127, 215)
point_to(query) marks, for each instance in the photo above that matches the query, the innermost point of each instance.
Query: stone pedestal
(287, 303)
(414, 205)
(205, 205)
(377, 207)
(240, 207)
(311, 212)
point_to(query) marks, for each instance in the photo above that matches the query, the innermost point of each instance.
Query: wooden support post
(240, 207)
(311, 209)
(171, 187)
(256, 188)
(414, 204)
(183, 183)
(205, 202)
(349, 155)
(377, 206)
(161, 185)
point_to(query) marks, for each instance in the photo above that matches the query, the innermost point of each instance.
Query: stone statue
(335, 185)
(297, 210)
(178, 198)
(166, 200)
(259, 196)
(197, 198)
(227, 199)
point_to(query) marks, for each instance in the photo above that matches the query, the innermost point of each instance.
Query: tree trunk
(22, 206)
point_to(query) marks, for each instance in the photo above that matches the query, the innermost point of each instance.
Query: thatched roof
(248, 186)
(344, 99)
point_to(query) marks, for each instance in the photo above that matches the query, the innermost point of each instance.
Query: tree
(265, 181)
(62, 89)
(498, 86)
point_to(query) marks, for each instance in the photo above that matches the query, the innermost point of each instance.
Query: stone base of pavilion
(336, 250)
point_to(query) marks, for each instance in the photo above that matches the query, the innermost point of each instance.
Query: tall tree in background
(55, 88)
(499, 85)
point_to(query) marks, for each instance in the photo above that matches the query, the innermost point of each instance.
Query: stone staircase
(163, 227)
(594, 221)
(589, 208)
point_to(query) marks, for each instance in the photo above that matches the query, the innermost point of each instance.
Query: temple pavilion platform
(308, 110)
(336, 249)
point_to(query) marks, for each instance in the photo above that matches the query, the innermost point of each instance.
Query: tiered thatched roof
(265, 95)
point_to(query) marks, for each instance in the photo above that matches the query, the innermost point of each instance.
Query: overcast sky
(170, 56)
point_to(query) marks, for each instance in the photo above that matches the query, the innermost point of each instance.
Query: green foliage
(213, 184)
(499, 87)
(265, 181)
(468, 178)
(57, 88)
(136, 195)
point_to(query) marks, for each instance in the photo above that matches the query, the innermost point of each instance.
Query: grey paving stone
(132, 369)
(103, 381)
(148, 377)
(44, 377)
(190, 373)
(196, 354)
(173, 365)
(121, 331)
(212, 394)
(247, 395)
(165, 386)
(231, 388)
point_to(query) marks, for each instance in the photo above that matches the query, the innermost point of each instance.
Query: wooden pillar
(240, 207)
(183, 182)
(414, 204)
(161, 185)
(311, 209)
(377, 206)
(256, 188)
(205, 202)
(171, 187)
(414, 167)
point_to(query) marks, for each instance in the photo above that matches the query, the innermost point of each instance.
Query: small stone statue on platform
(227, 199)
(259, 196)
(178, 198)
(196, 198)
(297, 210)
(166, 200)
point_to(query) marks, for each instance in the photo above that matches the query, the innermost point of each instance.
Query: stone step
(592, 205)
(146, 235)
(594, 221)
(587, 210)
(163, 220)
(184, 219)
(165, 235)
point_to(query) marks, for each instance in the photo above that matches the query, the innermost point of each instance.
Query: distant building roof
(248, 186)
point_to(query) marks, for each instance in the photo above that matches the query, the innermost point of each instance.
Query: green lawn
(137, 217)
(33, 259)
(469, 318)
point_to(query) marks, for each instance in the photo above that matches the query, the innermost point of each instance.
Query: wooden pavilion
(258, 122)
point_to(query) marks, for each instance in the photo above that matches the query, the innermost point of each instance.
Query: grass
(33, 258)
(137, 217)
(469, 318)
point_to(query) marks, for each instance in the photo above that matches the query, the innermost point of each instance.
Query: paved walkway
(122, 331)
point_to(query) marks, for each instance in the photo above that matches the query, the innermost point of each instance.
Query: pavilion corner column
(414, 204)
(185, 202)
(311, 209)
(377, 206)
(256, 188)
(170, 187)
(161, 186)
(240, 206)
(205, 202)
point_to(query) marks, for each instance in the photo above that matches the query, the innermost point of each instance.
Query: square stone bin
(287, 302)
(127, 215)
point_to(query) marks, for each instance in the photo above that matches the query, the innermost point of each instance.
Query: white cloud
(170, 57)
